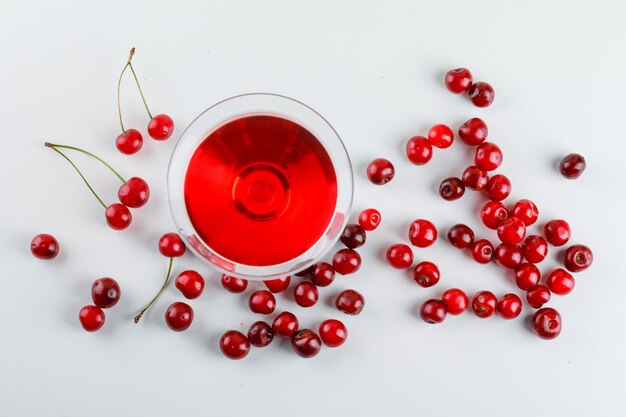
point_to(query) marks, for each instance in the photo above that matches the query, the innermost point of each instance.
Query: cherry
(380, 171)
(426, 274)
(105, 292)
(161, 127)
(260, 334)
(474, 131)
(129, 142)
(306, 294)
(306, 343)
(482, 251)
(134, 193)
(572, 166)
(547, 323)
(353, 236)
(456, 301)
(508, 256)
(481, 94)
(484, 304)
(509, 306)
(262, 302)
(234, 345)
(346, 261)
(498, 188)
(557, 232)
(369, 219)
(179, 316)
(323, 274)
(190, 283)
(285, 324)
(511, 231)
(493, 213)
(44, 246)
(440, 136)
(234, 285)
(171, 245)
(433, 311)
(451, 188)
(458, 81)
(475, 178)
(333, 333)
(578, 258)
(91, 318)
(419, 150)
(488, 156)
(350, 302)
(118, 216)
(400, 256)
(560, 282)
(537, 296)
(422, 233)
(526, 211)
(535, 248)
(461, 236)
(278, 285)
(527, 276)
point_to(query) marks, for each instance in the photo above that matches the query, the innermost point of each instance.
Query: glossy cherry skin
(509, 306)
(498, 188)
(350, 302)
(278, 285)
(526, 211)
(484, 304)
(560, 282)
(482, 251)
(179, 316)
(461, 236)
(190, 283)
(285, 324)
(105, 292)
(44, 246)
(433, 311)
(234, 345)
(456, 301)
(91, 318)
(353, 236)
(557, 232)
(118, 216)
(323, 274)
(441, 136)
(419, 150)
(535, 248)
(260, 334)
(426, 274)
(474, 131)
(171, 245)
(572, 166)
(578, 258)
(234, 285)
(399, 256)
(129, 142)
(458, 80)
(475, 178)
(333, 333)
(527, 276)
(134, 193)
(488, 156)
(481, 94)
(262, 302)
(161, 127)
(369, 219)
(306, 294)
(380, 171)
(508, 256)
(493, 213)
(511, 231)
(451, 188)
(547, 323)
(538, 295)
(422, 233)
(306, 343)
(346, 261)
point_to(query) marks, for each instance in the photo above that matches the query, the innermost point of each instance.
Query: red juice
(260, 190)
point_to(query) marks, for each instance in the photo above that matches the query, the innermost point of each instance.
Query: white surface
(375, 72)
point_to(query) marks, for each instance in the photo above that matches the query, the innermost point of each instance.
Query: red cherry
(493, 213)
(91, 318)
(262, 302)
(105, 292)
(285, 324)
(44, 246)
(474, 131)
(482, 251)
(419, 150)
(369, 219)
(509, 306)
(557, 232)
(458, 81)
(526, 211)
(422, 233)
(333, 333)
(572, 166)
(475, 178)
(578, 258)
(234, 345)
(171, 245)
(511, 231)
(134, 193)
(461, 236)
(537, 296)
(278, 285)
(179, 316)
(350, 302)
(323, 274)
(400, 256)
(346, 261)
(527, 276)
(488, 156)
(547, 323)
(234, 285)
(306, 343)
(118, 216)
(306, 294)
(426, 274)
(451, 188)
(353, 236)
(560, 282)
(498, 188)
(535, 248)
(190, 283)
(508, 256)
(129, 142)
(161, 127)
(260, 334)
(380, 171)
(481, 94)
(484, 304)
(433, 311)
(456, 301)
(440, 136)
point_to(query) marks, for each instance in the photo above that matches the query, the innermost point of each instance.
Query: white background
(375, 70)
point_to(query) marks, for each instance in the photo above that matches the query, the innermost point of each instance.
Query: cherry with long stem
(158, 294)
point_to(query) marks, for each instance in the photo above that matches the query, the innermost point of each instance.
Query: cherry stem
(56, 145)
(167, 280)
(139, 88)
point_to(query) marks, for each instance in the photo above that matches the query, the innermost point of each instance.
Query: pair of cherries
(105, 293)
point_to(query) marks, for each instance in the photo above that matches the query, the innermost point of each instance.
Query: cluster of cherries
(105, 293)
